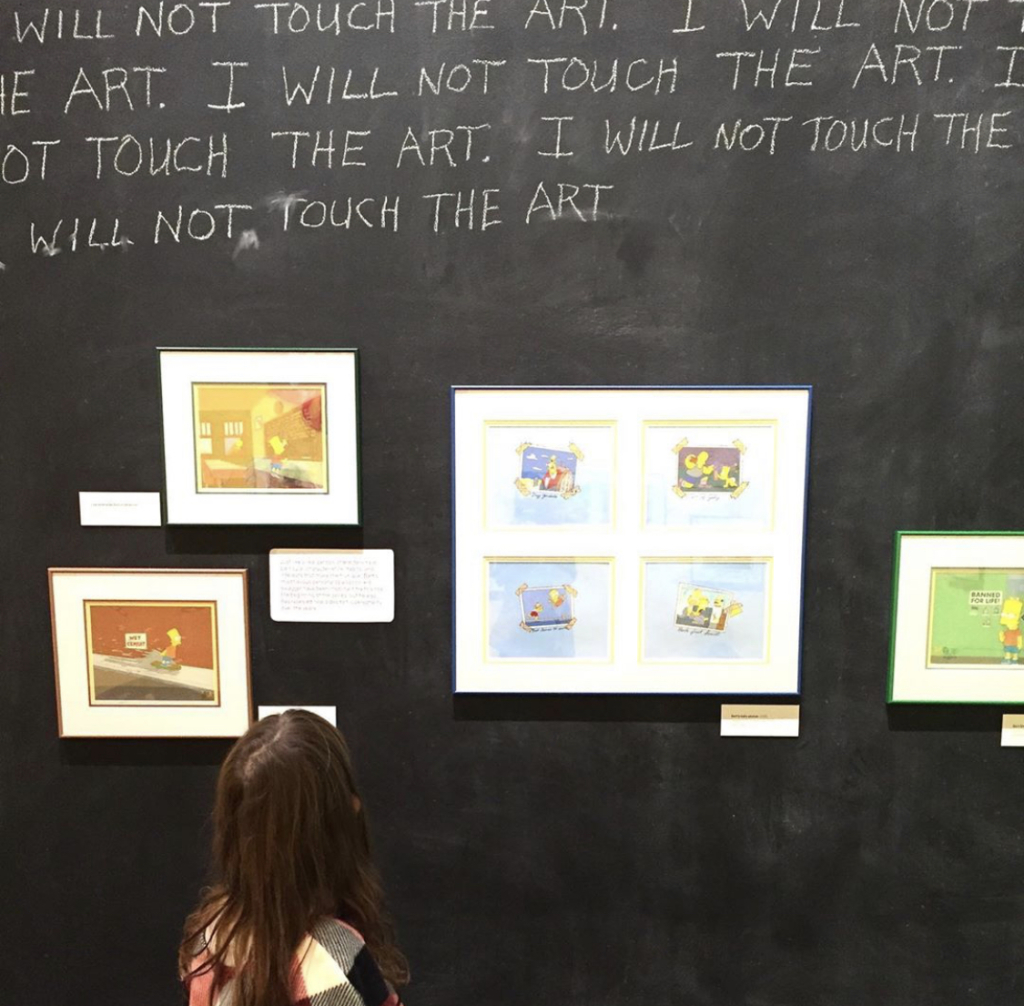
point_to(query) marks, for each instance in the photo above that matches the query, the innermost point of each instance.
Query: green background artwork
(962, 632)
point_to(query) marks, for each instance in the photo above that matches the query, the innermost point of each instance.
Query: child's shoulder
(335, 955)
(342, 941)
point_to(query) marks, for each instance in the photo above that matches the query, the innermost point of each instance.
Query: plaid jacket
(332, 968)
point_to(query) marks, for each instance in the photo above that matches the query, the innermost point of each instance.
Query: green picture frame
(957, 625)
(261, 436)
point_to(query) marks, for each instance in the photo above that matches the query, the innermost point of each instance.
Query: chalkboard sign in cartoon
(974, 617)
(957, 613)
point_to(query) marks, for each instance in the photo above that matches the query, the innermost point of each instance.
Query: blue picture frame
(564, 683)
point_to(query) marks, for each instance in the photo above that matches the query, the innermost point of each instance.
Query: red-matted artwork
(152, 652)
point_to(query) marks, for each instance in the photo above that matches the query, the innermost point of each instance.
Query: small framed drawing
(151, 652)
(629, 539)
(261, 436)
(958, 599)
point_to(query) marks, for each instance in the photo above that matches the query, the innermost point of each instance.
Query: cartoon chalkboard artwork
(958, 617)
(975, 617)
(707, 469)
(547, 607)
(548, 471)
(705, 609)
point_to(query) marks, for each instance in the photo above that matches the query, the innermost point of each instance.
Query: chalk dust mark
(283, 201)
(247, 241)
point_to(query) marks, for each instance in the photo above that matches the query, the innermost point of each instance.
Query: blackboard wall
(536, 849)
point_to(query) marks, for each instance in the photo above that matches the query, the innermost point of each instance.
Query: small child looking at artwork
(297, 915)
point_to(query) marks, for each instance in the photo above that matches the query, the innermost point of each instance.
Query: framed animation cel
(629, 539)
(261, 436)
(151, 652)
(958, 601)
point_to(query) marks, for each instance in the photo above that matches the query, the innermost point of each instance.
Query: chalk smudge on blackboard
(248, 240)
(284, 201)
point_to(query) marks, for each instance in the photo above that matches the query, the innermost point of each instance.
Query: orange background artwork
(110, 623)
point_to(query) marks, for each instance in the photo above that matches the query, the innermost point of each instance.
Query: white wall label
(329, 713)
(119, 509)
(332, 585)
(1013, 730)
(760, 721)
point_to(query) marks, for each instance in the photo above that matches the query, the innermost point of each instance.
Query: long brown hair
(291, 846)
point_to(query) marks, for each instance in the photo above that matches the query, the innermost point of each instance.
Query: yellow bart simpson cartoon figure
(1009, 633)
(169, 655)
(277, 447)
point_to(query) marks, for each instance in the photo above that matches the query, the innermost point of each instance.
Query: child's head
(287, 805)
(291, 846)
